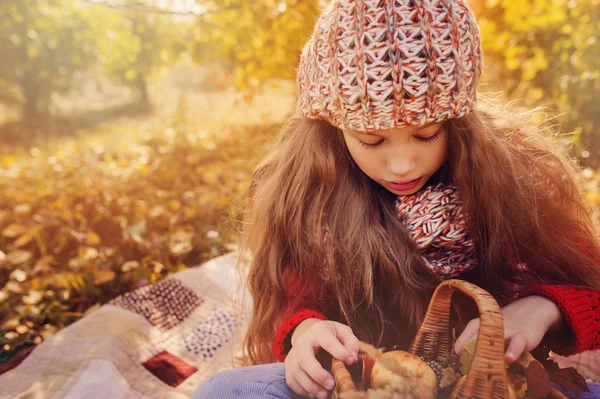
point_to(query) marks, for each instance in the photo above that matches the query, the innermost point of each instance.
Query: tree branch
(196, 10)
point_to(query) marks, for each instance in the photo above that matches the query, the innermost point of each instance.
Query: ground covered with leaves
(89, 218)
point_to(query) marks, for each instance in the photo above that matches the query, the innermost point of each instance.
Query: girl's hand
(526, 321)
(303, 372)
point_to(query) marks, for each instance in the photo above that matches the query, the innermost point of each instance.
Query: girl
(392, 178)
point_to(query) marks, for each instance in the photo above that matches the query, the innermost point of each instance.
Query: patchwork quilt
(159, 341)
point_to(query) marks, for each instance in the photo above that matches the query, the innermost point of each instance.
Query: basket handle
(487, 376)
(343, 379)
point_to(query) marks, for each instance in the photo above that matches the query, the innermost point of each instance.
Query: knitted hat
(380, 64)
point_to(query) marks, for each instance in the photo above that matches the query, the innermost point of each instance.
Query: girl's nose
(402, 167)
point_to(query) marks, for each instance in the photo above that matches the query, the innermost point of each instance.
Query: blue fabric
(268, 381)
(255, 382)
(594, 393)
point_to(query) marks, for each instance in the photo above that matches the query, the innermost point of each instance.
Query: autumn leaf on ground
(103, 276)
(568, 378)
(538, 381)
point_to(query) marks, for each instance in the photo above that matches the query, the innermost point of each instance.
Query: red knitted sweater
(580, 308)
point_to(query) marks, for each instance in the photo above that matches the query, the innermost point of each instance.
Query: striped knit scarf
(434, 219)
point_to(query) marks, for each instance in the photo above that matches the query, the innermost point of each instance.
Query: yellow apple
(517, 382)
(416, 369)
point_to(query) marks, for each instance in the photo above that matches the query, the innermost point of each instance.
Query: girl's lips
(405, 186)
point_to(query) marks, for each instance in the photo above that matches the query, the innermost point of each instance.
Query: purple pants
(268, 381)
(255, 382)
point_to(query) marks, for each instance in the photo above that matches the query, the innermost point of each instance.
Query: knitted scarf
(434, 219)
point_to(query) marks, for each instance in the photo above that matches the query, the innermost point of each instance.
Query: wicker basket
(487, 375)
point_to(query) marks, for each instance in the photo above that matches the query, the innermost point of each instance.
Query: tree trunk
(142, 88)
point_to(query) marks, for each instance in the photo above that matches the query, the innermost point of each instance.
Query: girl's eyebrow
(375, 134)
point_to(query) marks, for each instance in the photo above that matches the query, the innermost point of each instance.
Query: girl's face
(400, 159)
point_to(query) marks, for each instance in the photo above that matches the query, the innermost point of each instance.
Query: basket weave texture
(487, 375)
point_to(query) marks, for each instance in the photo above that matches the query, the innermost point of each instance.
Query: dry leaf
(569, 379)
(13, 230)
(18, 257)
(92, 238)
(538, 381)
(23, 240)
(180, 248)
(22, 329)
(89, 253)
(466, 356)
(18, 275)
(103, 276)
(157, 211)
(43, 264)
(23, 209)
(157, 267)
(11, 323)
(11, 335)
(132, 264)
(139, 228)
(32, 298)
(14, 287)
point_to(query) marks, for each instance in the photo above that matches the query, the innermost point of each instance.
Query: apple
(416, 369)
(517, 382)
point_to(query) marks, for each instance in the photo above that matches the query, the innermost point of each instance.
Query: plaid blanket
(159, 341)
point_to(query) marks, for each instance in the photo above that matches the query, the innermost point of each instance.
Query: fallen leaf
(89, 253)
(139, 228)
(466, 356)
(13, 230)
(103, 276)
(180, 248)
(130, 265)
(569, 379)
(23, 240)
(32, 298)
(18, 275)
(14, 287)
(92, 238)
(11, 323)
(22, 329)
(538, 381)
(23, 209)
(18, 257)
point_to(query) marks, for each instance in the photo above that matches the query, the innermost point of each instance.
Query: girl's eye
(431, 138)
(367, 145)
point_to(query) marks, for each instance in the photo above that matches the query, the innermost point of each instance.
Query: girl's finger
(295, 386)
(309, 385)
(517, 345)
(316, 372)
(334, 347)
(348, 339)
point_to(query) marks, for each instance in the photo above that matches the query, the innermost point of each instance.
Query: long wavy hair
(521, 203)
